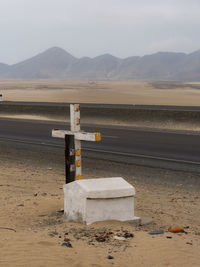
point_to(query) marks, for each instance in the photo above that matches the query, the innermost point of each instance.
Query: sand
(108, 92)
(32, 229)
(32, 198)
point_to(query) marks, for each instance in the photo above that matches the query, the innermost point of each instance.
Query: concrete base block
(102, 199)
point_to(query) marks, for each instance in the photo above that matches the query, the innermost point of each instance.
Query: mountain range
(56, 63)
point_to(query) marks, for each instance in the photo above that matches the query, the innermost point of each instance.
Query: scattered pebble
(67, 244)
(121, 238)
(100, 239)
(20, 205)
(176, 230)
(128, 235)
(156, 232)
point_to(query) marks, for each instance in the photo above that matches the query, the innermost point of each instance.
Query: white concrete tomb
(101, 199)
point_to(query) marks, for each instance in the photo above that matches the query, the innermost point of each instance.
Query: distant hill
(4, 68)
(49, 64)
(56, 63)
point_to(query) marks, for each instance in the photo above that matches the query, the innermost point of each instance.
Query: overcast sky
(93, 27)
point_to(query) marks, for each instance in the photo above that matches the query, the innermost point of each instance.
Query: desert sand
(108, 92)
(32, 229)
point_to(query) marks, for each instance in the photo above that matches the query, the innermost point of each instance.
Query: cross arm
(82, 136)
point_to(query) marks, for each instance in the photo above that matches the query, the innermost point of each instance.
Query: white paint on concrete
(101, 199)
(107, 188)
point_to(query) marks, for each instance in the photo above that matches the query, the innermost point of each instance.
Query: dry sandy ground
(122, 92)
(31, 198)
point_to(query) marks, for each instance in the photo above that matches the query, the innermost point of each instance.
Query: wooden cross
(73, 140)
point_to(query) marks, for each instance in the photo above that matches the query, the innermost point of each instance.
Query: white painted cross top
(78, 137)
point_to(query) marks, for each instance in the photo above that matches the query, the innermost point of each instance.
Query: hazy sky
(93, 27)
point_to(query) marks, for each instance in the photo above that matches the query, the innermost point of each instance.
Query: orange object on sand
(176, 230)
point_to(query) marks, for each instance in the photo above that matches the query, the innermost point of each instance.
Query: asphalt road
(90, 105)
(125, 140)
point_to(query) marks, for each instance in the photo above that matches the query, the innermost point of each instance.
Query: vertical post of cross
(75, 127)
(70, 170)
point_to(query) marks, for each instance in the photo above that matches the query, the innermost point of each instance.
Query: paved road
(131, 141)
(90, 105)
